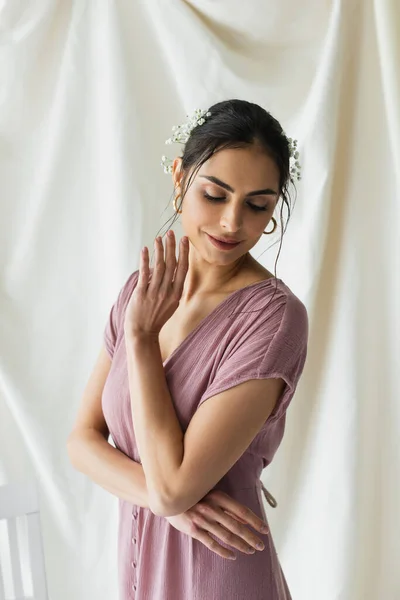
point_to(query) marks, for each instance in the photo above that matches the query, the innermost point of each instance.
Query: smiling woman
(206, 351)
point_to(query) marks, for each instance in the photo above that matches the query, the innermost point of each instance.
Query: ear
(177, 171)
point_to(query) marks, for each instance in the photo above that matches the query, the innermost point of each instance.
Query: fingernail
(265, 529)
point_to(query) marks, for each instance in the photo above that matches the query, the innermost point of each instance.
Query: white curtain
(89, 93)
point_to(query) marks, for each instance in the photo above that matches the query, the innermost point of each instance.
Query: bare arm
(88, 448)
(181, 468)
(91, 454)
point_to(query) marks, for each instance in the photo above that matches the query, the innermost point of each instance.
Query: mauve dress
(243, 338)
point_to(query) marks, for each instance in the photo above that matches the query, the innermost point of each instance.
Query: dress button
(133, 540)
(134, 516)
(133, 564)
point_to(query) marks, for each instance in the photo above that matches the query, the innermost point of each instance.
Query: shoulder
(294, 322)
(273, 308)
(274, 295)
(295, 309)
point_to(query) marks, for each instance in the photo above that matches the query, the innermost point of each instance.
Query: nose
(231, 218)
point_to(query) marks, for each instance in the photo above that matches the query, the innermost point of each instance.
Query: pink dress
(241, 339)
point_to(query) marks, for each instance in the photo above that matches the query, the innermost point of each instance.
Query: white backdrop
(89, 93)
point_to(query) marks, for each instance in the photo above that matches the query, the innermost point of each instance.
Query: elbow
(171, 512)
(163, 510)
(170, 507)
(158, 510)
(163, 505)
(158, 506)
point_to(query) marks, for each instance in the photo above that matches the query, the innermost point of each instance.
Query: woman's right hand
(224, 517)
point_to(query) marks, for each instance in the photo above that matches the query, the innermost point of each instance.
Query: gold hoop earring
(175, 199)
(275, 226)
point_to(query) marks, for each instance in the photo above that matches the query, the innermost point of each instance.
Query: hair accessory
(182, 134)
(295, 168)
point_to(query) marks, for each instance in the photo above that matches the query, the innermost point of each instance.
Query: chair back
(21, 573)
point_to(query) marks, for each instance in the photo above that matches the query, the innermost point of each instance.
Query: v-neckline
(211, 314)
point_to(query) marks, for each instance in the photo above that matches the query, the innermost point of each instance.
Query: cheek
(196, 211)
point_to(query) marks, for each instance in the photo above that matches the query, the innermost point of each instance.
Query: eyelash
(252, 206)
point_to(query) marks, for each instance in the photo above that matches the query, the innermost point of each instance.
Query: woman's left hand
(156, 298)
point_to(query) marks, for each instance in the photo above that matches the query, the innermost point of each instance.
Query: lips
(222, 245)
(225, 241)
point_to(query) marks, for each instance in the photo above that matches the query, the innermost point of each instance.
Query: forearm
(158, 432)
(91, 454)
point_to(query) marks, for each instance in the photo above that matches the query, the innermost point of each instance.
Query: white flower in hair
(182, 134)
(295, 168)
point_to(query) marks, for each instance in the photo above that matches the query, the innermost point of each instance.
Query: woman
(202, 358)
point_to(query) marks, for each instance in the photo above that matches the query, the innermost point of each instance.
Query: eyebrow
(213, 179)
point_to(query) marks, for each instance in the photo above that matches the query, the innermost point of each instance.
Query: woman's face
(231, 176)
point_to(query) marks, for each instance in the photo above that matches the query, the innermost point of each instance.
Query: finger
(236, 517)
(183, 265)
(170, 258)
(228, 530)
(246, 535)
(239, 511)
(252, 520)
(144, 270)
(203, 537)
(159, 265)
(215, 511)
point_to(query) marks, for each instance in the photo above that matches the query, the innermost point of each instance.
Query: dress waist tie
(269, 497)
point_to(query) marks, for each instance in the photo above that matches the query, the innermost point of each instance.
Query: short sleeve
(115, 320)
(276, 349)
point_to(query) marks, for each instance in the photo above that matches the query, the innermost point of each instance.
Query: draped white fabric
(90, 92)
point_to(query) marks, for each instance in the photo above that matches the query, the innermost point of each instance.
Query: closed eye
(218, 199)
